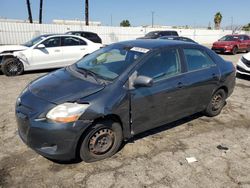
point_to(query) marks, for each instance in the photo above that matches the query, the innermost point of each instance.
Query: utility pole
(41, 12)
(29, 11)
(232, 22)
(87, 12)
(111, 20)
(153, 18)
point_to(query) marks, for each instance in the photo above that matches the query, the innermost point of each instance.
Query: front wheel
(234, 50)
(102, 140)
(12, 67)
(216, 104)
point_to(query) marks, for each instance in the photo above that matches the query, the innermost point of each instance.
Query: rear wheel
(101, 141)
(216, 104)
(12, 67)
(235, 50)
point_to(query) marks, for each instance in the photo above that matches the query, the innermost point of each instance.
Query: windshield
(34, 41)
(111, 61)
(229, 38)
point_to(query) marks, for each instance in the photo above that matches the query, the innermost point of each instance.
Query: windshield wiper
(87, 72)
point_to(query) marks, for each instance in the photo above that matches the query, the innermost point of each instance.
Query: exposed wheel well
(224, 88)
(112, 117)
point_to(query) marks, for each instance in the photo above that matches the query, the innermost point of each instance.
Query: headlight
(67, 112)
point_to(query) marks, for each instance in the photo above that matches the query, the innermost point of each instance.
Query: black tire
(12, 67)
(235, 50)
(102, 140)
(216, 104)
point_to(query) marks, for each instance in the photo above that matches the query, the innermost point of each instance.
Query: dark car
(157, 34)
(232, 44)
(184, 39)
(88, 35)
(121, 90)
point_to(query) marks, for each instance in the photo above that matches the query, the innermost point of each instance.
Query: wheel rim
(14, 67)
(217, 102)
(234, 50)
(101, 141)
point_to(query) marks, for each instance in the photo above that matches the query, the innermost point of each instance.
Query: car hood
(61, 86)
(247, 56)
(224, 43)
(12, 48)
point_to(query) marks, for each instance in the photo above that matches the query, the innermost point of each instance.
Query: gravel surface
(156, 158)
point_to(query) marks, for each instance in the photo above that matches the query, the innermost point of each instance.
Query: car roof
(81, 32)
(155, 44)
(236, 35)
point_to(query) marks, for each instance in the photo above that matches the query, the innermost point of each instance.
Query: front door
(164, 101)
(49, 57)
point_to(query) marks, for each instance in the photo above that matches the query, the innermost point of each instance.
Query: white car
(44, 52)
(243, 65)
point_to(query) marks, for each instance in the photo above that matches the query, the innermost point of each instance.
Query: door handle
(82, 49)
(57, 50)
(180, 85)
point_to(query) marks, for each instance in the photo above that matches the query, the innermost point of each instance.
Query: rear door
(49, 57)
(73, 49)
(202, 76)
(165, 101)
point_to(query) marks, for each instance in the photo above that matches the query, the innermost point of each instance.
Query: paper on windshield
(139, 49)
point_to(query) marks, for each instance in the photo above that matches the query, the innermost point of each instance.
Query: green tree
(125, 23)
(246, 27)
(217, 20)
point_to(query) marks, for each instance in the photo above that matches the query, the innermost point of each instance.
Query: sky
(138, 12)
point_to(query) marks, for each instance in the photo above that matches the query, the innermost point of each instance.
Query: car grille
(218, 49)
(242, 70)
(245, 61)
(23, 123)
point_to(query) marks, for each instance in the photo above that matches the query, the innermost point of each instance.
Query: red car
(232, 44)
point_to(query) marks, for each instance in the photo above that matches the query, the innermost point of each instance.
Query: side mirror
(143, 81)
(41, 46)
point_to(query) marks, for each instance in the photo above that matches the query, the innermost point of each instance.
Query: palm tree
(29, 11)
(87, 12)
(41, 12)
(217, 20)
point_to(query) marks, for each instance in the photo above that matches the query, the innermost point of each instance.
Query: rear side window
(246, 37)
(72, 41)
(161, 65)
(174, 33)
(197, 59)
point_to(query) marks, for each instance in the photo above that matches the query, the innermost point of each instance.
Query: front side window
(52, 42)
(111, 61)
(161, 65)
(197, 59)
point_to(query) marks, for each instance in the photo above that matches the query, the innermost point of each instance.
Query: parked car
(184, 39)
(232, 44)
(157, 34)
(119, 91)
(88, 35)
(243, 65)
(44, 52)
